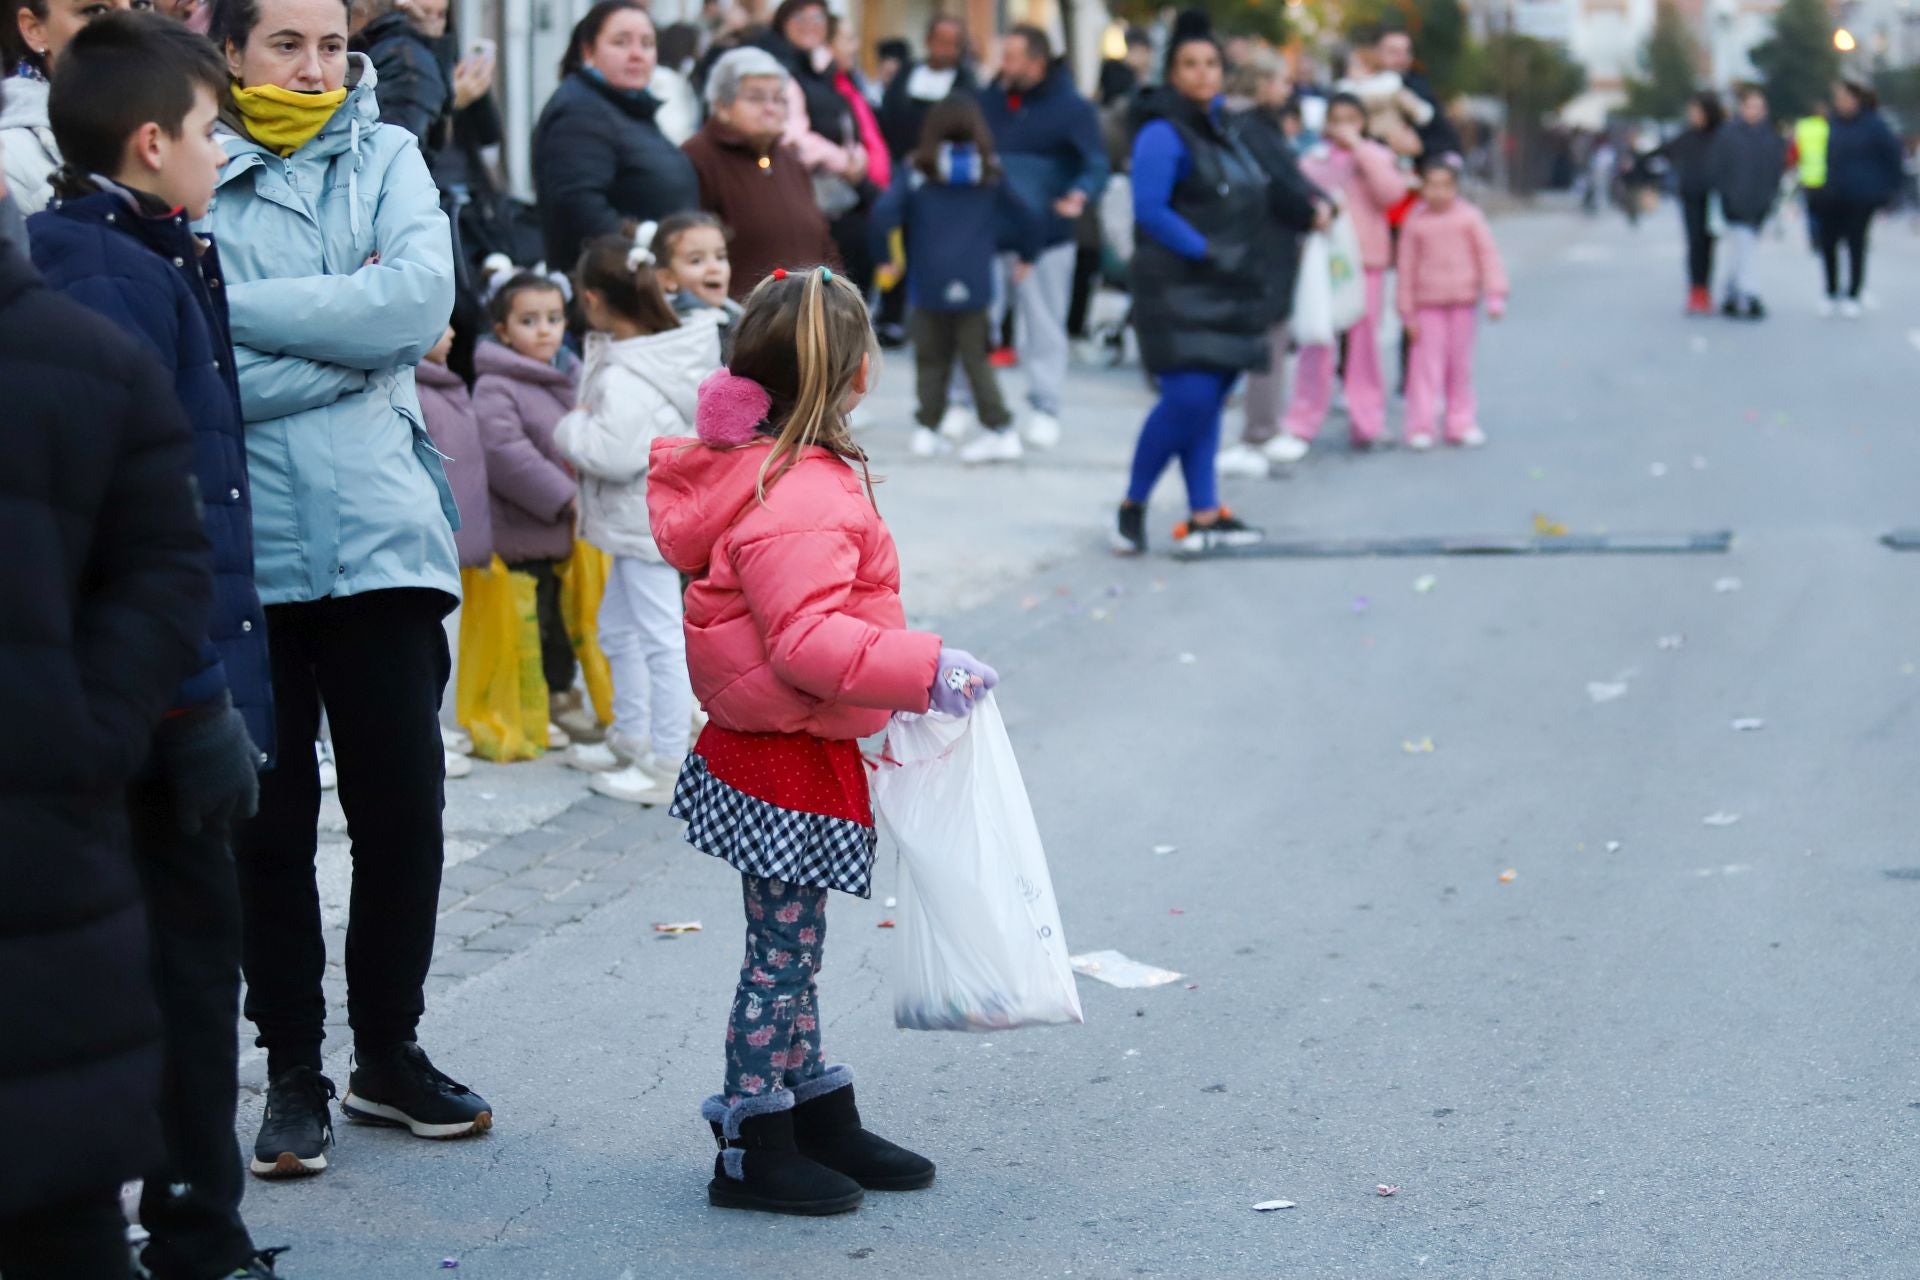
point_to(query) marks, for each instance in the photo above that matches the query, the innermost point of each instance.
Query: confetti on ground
(893, 902)
(1749, 724)
(1117, 970)
(1176, 911)
(1657, 470)
(1424, 747)
(1361, 604)
(1384, 1189)
(1536, 473)
(678, 926)
(1425, 583)
(1030, 602)
(449, 1264)
(1726, 586)
(1509, 876)
(1606, 691)
(1671, 642)
(1268, 1206)
(1098, 615)
(488, 795)
(1613, 846)
(1193, 986)
(1720, 819)
(1188, 659)
(1164, 849)
(884, 924)
(1547, 527)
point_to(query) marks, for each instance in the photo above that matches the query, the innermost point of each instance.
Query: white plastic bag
(1346, 275)
(978, 943)
(1312, 319)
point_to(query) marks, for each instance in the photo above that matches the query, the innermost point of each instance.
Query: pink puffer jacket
(1368, 182)
(794, 622)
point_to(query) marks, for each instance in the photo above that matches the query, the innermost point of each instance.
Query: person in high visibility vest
(1810, 161)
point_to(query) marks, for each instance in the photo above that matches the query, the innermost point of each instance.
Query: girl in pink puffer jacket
(1448, 264)
(798, 647)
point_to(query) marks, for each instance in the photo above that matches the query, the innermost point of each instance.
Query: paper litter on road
(1384, 1189)
(892, 902)
(1720, 819)
(1657, 470)
(1117, 970)
(1268, 1206)
(1749, 724)
(1606, 690)
(1188, 659)
(1424, 747)
(884, 924)
(1361, 604)
(1165, 848)
(1671, 642)
(1546, 526)
(1509, 876)
(1613, 846)
(678, 926)
(1730, 869)
(1425, 583)
(1725, 586)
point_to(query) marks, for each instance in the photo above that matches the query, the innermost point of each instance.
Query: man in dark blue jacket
(133, 107)
(1049, 142)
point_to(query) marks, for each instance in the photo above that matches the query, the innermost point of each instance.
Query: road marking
(1713, 543)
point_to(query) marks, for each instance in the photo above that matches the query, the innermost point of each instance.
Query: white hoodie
(30, 155)
(632, 393)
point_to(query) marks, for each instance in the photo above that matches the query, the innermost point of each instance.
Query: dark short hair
(1038, 43)
(791, 9)
(234, 20)
(122, 71)
(587, 31)
(500, 304)
(1711, 108)
(954, 20)
(895, 48)
(675, 225)
(1190, 26)
(955, 118)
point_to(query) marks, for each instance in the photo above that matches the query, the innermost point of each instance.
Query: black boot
(826, 1127)
(760, 1168)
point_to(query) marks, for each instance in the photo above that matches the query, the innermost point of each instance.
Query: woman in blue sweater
(1201, 282)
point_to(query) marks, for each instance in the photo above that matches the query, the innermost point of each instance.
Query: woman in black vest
(600, 164)
(1202, 281)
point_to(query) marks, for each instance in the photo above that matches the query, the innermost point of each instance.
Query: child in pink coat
(1368, 182)
(798, 647)
(1448, 263)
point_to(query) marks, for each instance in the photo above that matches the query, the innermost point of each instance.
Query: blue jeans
(1186, 423)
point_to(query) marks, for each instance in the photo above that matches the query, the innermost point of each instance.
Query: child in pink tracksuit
(1368, 181)
(1448, 263)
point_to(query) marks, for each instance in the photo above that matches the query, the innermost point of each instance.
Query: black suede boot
(760, 1168)
(826, 1128)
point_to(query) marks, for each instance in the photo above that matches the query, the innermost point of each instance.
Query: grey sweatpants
(1266, 397)
(1041, 303)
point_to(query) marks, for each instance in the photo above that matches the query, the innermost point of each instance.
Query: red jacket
(794, 622)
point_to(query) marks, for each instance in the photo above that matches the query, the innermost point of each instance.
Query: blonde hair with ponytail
(803, 336)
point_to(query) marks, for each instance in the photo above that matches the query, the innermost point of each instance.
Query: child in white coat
(644, 365)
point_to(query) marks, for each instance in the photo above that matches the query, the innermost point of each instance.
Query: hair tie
(562, 283)
(779, 273)
(730, 409)
(826, 274)
(637, 257)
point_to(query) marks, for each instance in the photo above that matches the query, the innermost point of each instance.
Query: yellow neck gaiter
(282, 120)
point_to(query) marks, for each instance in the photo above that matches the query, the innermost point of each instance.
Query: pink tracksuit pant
(1440, 367)
(1366, 391)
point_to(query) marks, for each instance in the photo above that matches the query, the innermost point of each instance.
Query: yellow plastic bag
(500, 698)
(583, 584)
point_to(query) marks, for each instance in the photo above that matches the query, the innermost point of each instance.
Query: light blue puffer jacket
(349, 494)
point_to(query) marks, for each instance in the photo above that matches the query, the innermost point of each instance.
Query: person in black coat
(1864, 170)
(1690, 155)
(1393, 51)
(600, 164)
(1201, 287)
(911, 94)
(1295, 207)
(1746, 162)
(107, 595)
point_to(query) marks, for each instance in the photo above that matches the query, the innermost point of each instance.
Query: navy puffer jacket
(143, 269)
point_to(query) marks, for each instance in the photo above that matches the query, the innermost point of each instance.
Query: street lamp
(1843, 40)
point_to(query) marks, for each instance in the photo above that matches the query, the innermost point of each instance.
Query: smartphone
(484, 48)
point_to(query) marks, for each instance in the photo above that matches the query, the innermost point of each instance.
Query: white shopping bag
(1346, 275)
(978, 943)
(1312, 321)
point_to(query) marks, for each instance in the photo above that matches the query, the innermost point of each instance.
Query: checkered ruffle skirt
(763, 839)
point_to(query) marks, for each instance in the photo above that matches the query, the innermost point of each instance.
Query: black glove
(210, 765)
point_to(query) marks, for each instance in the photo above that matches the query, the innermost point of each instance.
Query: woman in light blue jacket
(339, 278)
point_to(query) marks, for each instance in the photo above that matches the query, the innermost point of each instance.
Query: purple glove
(960, 678)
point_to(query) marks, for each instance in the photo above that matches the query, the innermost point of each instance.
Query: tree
(1265, 19)
(1670, 63)
(1798, 62)
(1532, 78)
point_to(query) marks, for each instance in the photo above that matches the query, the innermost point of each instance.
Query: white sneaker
(329, 774)
(1042, 430)
(1286, 449)
(458, 766)
(576, 717)
(1243, 460)
(633, 786)
(667, 768)
(992, 446)
(1825, 309)
(959, 422)
(456, 739)
(1420, 443)
(1850, 309)
(557, 737)
(614, 752)
(1472, 438)
(928, 443)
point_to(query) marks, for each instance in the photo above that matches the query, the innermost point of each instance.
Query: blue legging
(1185, 422)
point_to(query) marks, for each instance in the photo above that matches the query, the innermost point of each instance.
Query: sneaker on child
(633, 785)
(992, 446)
(1286, 449)
(1042, 429)
(604, 757)
(959, 422)
(928, 443)
(1245, 461)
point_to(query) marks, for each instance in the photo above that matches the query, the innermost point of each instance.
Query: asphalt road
(1659, 1048)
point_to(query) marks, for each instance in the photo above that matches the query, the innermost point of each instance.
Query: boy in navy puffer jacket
(957, 210)
(133, 108)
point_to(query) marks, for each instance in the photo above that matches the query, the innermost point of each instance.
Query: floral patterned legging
(773, 1037)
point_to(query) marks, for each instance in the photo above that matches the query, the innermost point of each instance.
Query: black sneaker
(1227, 530)
(399, 1086)
(1755, 311)
(1130, 533)
(297, 1129)
(259, 1266)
